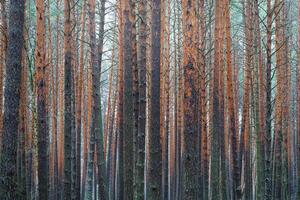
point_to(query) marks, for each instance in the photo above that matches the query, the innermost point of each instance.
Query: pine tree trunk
(97, 109)
(9, 186)
(179, 107)
(142, 62)
(128, 61)
(278, 104)
(3, 51)
(216, 116)
(204, 176)
(67, 101)
(261, 107)
(231, 108)
(79, 102)
(41, 85)
(55, 118)
(120, 119)
(154, 181)
(268, 137)
(135, 90)
(190, 103)
(96, 131)
(298, 110)
(23, 131)
(167, 85)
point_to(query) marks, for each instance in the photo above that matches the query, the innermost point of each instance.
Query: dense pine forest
(149, 99)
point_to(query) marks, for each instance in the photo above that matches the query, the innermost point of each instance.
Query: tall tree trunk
(68, 100)
(97, 108)
(120, 119)
(110, 118)
(245, 143)
(261, 106)
(41, 86)
(165, 91)
(231, 108)
(23, 131)
(268, 129)
(142, 66)
(154, 186)
(135, 90)
(217, 123)
(190, 103)
(79, 102)
(3, 51)
(96, 131)
(9, 186)
(179, 105)
(298, 110)
(94, 65)
(204, 184)
(128, 62)
(100, 47)
(278, 103)
(55, 78)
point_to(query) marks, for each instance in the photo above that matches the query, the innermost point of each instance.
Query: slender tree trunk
(68, 100)
(79, 102)
(142, 65)
(97, 123)
(179, 106)
(261, 107)
(154, 186)
(165, 91)
(110, 118)
(128, 62)
(298, 111)
(202, 103)
(231, 108)
(41, 86)
(55, 129)
(174, 184)
(3, 52)
(268, 137)
(23, 131)
(120, 119)
(9, 186)
(190, 103)
(100, 47)
(245, 144)
(96, 131)
(135, 90)
(278, 104)
(216, 107)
